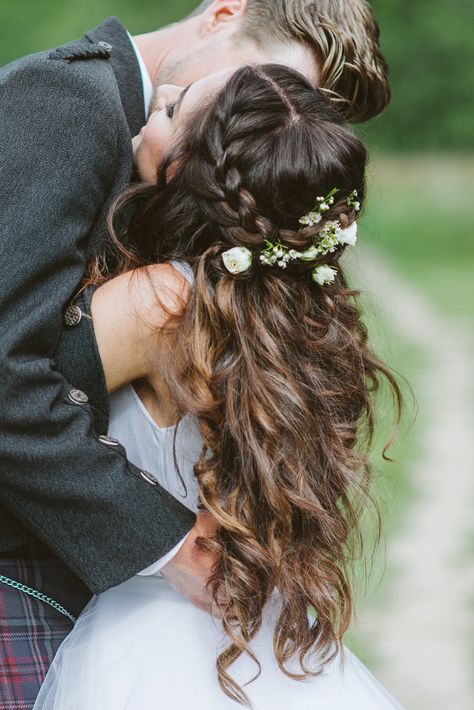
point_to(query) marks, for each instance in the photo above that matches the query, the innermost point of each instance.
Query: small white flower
(348, 235)
(293, 254)
(237, 260)
(282, 264)
(279, 253)
(324, 207)
(309, 254)
(324, 275)
(310, 219)
(353, 201)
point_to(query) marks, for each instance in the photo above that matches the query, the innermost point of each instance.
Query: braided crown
(229, 204)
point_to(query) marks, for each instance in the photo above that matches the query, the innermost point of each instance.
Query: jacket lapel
(125, 65)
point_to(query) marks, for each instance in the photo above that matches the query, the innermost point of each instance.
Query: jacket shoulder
(81, 61)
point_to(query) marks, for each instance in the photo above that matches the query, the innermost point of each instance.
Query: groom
(75, 516)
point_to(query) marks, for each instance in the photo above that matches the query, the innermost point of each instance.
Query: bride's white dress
(142, 646)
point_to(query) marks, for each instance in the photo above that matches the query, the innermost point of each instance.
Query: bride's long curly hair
(276, 368)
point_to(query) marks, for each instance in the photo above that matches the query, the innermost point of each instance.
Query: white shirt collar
(146, 81)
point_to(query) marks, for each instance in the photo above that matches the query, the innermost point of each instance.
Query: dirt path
(426, 650)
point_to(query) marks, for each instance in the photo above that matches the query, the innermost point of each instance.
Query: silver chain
(37, 595)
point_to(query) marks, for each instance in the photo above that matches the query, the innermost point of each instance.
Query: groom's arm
(103, 516)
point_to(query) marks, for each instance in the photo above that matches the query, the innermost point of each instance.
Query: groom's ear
(222, 13)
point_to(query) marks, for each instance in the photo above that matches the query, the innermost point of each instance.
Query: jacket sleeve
(76, 491)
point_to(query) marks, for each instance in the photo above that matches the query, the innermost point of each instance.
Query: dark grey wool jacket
(66, 121)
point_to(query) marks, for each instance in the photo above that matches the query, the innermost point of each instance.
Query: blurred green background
(415, 622)
(428, 42)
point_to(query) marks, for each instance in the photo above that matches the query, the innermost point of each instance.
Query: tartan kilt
(31, 631)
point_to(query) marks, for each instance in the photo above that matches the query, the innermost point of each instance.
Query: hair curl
(277, 369)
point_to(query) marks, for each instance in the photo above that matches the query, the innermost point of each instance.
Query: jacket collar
(127, 72)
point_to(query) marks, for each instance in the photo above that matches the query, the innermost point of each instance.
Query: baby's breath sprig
(323, 204)
(277, 254)
(328, 238)
(327, 241)
(353, 201)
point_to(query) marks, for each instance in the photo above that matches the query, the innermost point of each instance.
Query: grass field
(420, 217)
(421, 214)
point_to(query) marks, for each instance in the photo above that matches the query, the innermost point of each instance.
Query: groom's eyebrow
(180, 99)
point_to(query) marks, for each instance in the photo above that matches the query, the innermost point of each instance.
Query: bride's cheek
(155, 141)
(163, 137)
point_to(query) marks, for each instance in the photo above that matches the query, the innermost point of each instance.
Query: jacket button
(78, 397)
(149, 478)
(72, 316)
(105, 45)
(109, 440)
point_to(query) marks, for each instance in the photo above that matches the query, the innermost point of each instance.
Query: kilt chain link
(37, 595)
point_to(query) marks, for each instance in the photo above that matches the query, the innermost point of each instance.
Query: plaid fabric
(30, 630)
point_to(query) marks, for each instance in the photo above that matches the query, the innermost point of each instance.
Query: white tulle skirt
(141, 646)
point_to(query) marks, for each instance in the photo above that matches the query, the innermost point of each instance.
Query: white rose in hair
(324, 275)
(237, 260)
(348, 235)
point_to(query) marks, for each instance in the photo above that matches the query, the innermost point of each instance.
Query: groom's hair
(345, 35)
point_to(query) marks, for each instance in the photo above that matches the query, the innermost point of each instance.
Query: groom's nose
(166, 94)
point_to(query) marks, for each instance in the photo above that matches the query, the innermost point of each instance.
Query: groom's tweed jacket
(66, 120)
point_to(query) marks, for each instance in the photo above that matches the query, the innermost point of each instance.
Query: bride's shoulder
(131, 313)
(151, 293)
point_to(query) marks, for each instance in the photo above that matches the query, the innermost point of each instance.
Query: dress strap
(185, 270)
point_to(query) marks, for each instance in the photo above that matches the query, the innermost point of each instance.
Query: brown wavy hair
(345, 36)
(276, 368)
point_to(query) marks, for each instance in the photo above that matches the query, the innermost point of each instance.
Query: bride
(240, 377)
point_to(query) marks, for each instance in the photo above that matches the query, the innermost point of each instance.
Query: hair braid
(238, 203)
